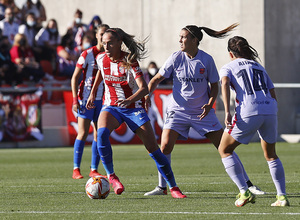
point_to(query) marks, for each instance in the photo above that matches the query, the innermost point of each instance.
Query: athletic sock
(235, 172)
(104, 149)
(161, 180)
(95, 156)
(242, 166)
(164, 167)
(278, 176)
(78, 151)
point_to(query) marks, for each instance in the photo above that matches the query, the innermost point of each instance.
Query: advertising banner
(20, 115)
(123, 135)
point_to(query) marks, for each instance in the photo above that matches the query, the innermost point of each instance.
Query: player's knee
(103, 136)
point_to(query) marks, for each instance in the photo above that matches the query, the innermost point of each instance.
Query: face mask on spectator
(152, 71)
(30, 23)
(52, 30)
(86, 45)
(78, 20)
(34, 1)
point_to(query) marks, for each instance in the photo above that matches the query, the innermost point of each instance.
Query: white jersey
(251, 84)
(119, 82)
(44, 36)
(190, 80)
(9, 30)
(87, 62)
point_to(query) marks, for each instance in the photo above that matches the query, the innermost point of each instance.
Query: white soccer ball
(97, 187)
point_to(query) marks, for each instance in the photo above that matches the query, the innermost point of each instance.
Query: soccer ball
(97, 187)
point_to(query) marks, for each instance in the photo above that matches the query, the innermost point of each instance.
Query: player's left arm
(91, 99)
(273, 94)
(214, 89)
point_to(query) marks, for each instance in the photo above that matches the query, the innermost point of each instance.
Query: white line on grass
(123, 212)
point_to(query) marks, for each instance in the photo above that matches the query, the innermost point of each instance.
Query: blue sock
(95, 156)
(104, 149)
(164, 167)
(78, 151)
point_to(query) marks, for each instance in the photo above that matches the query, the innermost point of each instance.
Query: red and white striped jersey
(119, 82)
(87, 62)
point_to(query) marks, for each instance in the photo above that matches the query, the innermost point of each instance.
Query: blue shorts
(91, 114)
(134, 117)
(181, 122)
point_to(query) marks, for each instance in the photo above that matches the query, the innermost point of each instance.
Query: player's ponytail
(196, 32)
(240, 48)
(136, 50)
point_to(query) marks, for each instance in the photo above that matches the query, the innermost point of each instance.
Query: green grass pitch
(37, 184)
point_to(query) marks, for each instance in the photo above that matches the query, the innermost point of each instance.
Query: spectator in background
(48, 39)
(7, 67)
(87, 42)
(77, 28)
(95, 22)
(16, 11)
(2, 9)
(67, 56)
(8, 26)
(23, 57)
(37, 8)
(29, 29)
(151, 71)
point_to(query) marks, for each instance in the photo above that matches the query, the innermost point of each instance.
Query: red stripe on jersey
(81, 86)
(233, 124)
(107, 72)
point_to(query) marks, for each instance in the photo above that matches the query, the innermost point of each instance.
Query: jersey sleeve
(225, 71)
(269, 82)
(167, 69)
(81, 62)
(212, 74)
(137, 72)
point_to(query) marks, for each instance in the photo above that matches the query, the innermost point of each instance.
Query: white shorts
(182, 122)
(244, 128)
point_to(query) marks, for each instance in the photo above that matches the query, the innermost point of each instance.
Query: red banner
(20, 115)
(123, 134)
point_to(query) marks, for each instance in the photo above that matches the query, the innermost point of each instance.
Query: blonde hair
(17, 39)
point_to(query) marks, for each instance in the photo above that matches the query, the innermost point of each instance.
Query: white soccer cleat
(256, 191)
(281, 201)
(158, 191)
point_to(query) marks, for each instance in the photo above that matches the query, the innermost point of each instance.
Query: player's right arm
(91, 99)
(74, 86)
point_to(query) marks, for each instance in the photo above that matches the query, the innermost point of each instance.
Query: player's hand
(123, 103)
(206, 108)
(76, 107)
(147, 102)
(90, 103)
(228, 120)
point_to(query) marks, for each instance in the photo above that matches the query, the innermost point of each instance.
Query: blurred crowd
(31, 47)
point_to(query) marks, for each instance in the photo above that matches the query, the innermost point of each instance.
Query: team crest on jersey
(122, 70)
(202, 70)
(137, 69)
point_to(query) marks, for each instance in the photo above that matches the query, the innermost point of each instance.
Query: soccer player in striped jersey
(87, 66)
(256, 111)
(195, 88)
(125, 88)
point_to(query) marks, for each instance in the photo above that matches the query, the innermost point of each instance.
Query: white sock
(161, 181)
(244, 171)
(277, 173)
(235, 172)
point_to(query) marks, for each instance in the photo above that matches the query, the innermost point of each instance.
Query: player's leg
(234, 169)
(107, 122)
(215, 137)
(83, 128)
(146, 134)
(168, 140)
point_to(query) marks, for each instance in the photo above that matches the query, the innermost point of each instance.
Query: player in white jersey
(87, 66)
(256, 111)
(125, 88)
(195, 88)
